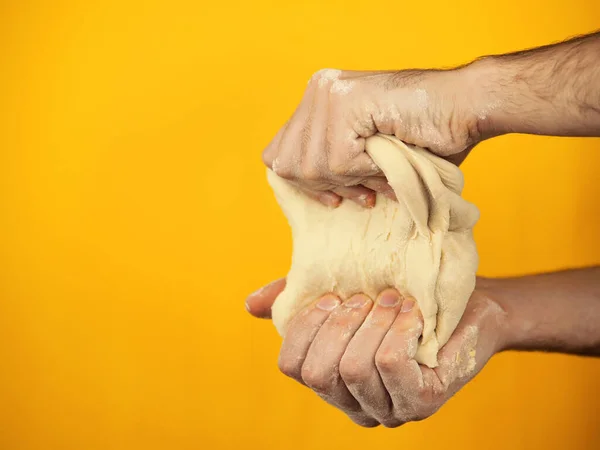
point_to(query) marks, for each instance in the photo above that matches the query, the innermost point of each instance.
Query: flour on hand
(421, 245)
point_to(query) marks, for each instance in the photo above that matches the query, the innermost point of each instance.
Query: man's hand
(358, 355)
(551, 90)
(322, 147)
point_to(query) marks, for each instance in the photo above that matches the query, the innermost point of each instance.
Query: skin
(358, 354)
(552, 90)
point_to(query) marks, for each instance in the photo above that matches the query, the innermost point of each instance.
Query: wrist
(502, 321)
(486, 81)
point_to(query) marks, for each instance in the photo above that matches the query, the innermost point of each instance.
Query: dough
(421, 245)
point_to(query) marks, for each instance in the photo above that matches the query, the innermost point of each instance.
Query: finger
(380, 184)
(347, 160)
(314, 165)
(357, 367)
(328, 198)
(400, 373)
(320, 370)
(259, 302)
(358, 194)
(461, 357)
(269, 154)
(293, 143)
(301, 331)
(363, 166)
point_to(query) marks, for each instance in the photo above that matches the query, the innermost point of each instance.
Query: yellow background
(135, 217)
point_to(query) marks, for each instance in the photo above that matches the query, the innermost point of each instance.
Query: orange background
(135, 217)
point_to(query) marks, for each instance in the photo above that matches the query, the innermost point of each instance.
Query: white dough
(421, 245)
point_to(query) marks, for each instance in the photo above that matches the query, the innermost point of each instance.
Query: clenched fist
(322, 146)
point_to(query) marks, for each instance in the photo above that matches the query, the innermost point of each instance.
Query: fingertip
(330, 199)
(366, 200)
(359, 194)
(259, 302)
(410, 306)
(328, 303)
(410, 309)
(358, 301)
(407, 305)
(389, 298)
(258, 308)
(409, 316)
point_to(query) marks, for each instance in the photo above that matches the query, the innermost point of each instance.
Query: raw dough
(422, 245)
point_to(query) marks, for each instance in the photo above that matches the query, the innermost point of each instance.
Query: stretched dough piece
(421, 245)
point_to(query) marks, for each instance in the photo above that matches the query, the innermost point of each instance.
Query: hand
(321, 148)
(359, 355)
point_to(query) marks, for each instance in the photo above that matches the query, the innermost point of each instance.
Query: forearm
(558, 312)
(552, 90)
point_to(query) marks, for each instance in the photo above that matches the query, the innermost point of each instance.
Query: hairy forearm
(551, 90)
(557, 312)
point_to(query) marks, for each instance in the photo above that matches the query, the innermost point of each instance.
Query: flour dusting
(275, 167)
(485, 112)
(421, 98)
(342, 87)
(324, 76)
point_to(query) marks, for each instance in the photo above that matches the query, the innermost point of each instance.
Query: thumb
(259, 303)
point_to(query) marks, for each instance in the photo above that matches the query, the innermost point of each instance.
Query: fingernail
(247, 307)
(258, 292)
(368, 201)
(328, 303)
(356, 301)
(407, 305)
(389, 299)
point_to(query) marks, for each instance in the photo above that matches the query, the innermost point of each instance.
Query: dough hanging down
(421, 245)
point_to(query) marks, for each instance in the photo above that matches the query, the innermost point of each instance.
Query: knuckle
(267, 158)
(427, 410)
(386, 361)
(314, 78)
(392, 422)
(417, 413)
(365, 422)
(323, 76)
(288, 367)
(282, 169)
(316, 379)
(353, 371)
(311, 172)
(405, 415)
